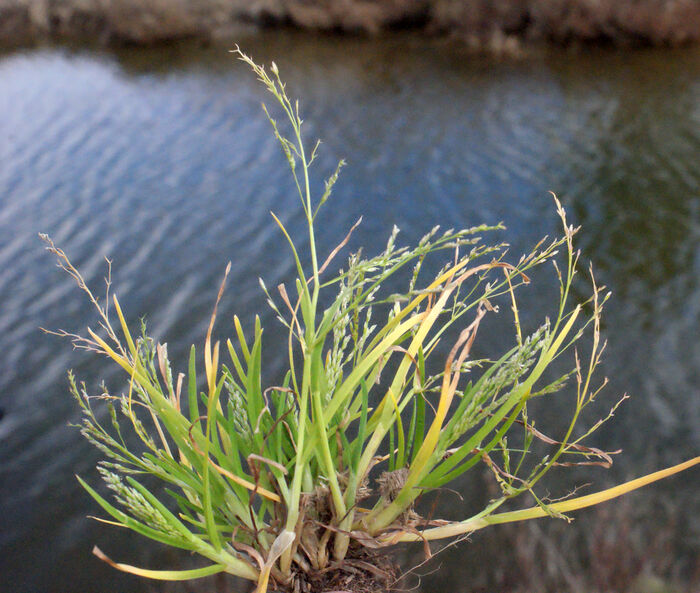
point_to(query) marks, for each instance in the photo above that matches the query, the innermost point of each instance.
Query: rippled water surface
(162, 161)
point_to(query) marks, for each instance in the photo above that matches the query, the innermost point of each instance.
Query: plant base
(363, 571)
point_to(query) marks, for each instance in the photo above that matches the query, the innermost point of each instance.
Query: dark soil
(363, 571)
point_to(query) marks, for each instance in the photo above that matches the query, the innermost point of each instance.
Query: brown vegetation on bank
(479, 23)
(655, 22)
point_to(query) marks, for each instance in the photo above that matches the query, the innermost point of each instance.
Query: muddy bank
(479, 23)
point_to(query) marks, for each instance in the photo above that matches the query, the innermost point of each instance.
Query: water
(162, 160)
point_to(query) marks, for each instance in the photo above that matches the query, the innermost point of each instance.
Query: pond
(162, 161)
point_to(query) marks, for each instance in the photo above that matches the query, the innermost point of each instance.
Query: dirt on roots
(363, 571)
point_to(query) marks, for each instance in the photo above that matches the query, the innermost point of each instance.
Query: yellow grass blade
(125, 327)
(413, 304)
(246, 484)
(582, 502)
(118, 358)
(470, 525)
(161, 575)
(449, 386)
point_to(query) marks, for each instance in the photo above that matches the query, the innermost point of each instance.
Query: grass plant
(297, 486)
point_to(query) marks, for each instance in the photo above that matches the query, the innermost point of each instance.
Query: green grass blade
(392, 448)
(412, 427)
(362, 429)
(420, 425)
(192, 387)
(241, 338)
(236, 362)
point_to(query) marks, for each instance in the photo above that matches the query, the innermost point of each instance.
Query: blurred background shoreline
(500, 26)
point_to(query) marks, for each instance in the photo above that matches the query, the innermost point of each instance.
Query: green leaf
(192, 388)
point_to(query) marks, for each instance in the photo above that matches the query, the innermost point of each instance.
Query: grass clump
(297, 486)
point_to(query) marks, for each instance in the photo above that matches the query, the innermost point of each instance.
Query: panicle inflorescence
(130, 498)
